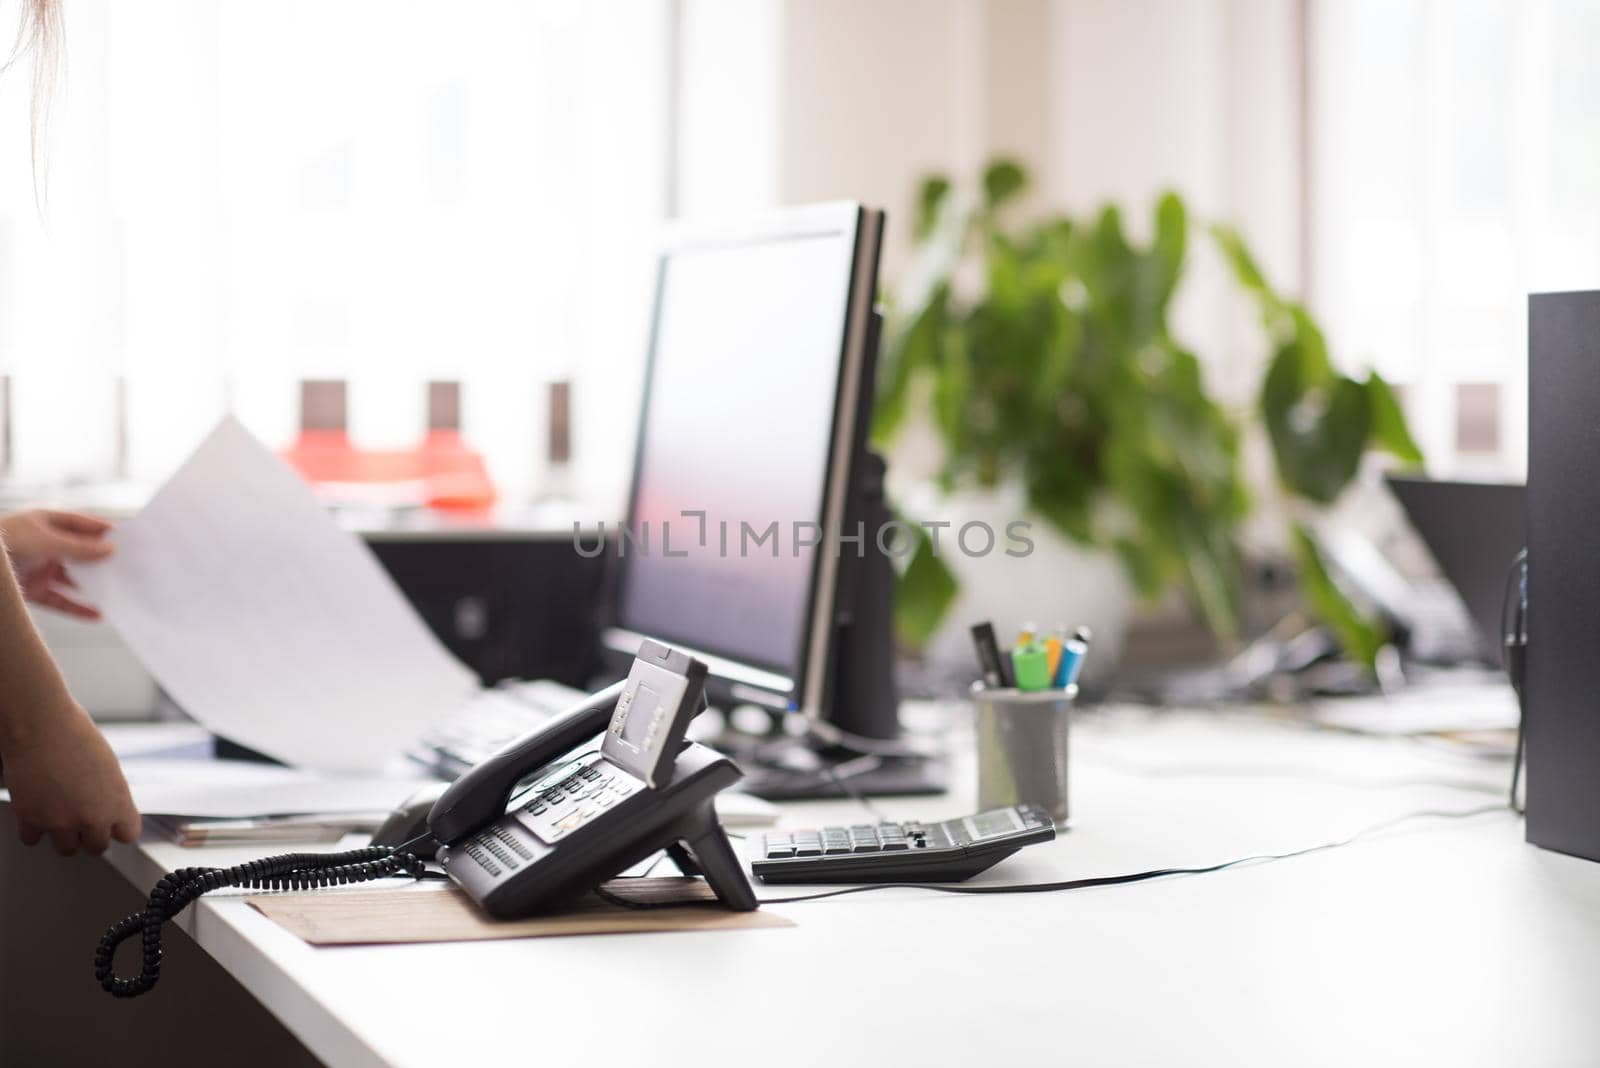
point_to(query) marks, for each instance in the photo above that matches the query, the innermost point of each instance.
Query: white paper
(265, 621)
(1427, 709)
(231, 789)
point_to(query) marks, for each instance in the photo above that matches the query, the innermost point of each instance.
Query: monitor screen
(738, 425)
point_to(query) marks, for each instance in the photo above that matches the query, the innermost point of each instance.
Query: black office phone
(583, 818)
(548, 818)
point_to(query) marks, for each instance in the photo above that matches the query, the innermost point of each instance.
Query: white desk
(1439, 942)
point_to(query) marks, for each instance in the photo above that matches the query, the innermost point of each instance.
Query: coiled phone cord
(178, 890)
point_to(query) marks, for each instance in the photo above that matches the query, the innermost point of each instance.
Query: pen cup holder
(1022, 748)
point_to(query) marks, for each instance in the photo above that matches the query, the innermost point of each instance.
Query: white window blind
(1455, 164)
(244, 194)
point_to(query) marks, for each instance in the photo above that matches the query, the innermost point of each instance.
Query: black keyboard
(943, 852)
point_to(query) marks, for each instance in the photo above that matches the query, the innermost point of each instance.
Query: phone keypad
(582, 795)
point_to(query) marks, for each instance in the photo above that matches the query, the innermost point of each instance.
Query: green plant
(1319, 423)
(1060, 370)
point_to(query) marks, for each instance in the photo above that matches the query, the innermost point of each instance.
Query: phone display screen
(649, 720)
(643, 712)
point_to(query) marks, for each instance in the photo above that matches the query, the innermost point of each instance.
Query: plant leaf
(1389, 430)
(930, 199)
(1318, 424)
(1238, 257)
(909, 350)
(1359, 637)
(926, 590)
(1003, 179)
(1170, 244)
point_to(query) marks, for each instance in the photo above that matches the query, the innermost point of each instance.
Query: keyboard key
(804, 849)
(776, 852)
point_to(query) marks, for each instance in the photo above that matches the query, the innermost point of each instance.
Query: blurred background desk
(1439, 941)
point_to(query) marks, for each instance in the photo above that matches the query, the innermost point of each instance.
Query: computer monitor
(1473, 530)
(752, 473)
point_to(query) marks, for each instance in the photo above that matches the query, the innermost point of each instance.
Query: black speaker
(1563, 673)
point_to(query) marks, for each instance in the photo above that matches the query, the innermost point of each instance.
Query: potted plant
(1041, 353)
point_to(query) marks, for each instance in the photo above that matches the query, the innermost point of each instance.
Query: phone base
(702, 848)
(513, 869)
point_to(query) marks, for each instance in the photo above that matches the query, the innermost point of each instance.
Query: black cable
(1115, 880)
(860, 798)
(411, 843)
(1093, 881)
(178, 889)
(1515, 636)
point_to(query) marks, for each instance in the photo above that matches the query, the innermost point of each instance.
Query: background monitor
(1473, 530)
(755, 401)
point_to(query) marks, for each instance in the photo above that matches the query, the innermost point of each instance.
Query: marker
(995, 673)
(1053, 644)
(1072, 654)
(1031, 665)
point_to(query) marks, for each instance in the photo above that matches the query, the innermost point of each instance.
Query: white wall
(1106, 100)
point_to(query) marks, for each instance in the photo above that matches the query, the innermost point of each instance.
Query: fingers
(95, 839)
(78, 523)
(65, 840)
(81, 548)
(75, 536)
(52, 598)
(90, 837)
(126, 829)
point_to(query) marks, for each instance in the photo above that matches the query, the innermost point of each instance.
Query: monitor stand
(862, 698)
(838, 773)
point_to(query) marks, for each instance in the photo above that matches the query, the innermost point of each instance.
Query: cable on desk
(842, 781)
(178, 889)
(1134, 877)
(1515, 635)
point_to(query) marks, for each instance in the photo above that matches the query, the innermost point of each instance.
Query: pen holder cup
(1022, 748)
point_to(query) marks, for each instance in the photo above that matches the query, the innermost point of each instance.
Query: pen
(1073, 651)
(1030, 661)
(990, 662)
(1053, 644)
(1031, 665)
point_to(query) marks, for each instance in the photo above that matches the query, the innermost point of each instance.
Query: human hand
(65, 782)
(42, 543)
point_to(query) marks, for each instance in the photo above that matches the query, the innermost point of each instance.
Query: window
(1456, 155)
(242, 195)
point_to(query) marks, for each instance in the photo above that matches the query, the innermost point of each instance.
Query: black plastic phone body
(511, 869)
(588, 817)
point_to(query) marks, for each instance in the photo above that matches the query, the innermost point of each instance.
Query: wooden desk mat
(438, 912)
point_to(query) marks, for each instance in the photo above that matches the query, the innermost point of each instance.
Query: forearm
(31, 688)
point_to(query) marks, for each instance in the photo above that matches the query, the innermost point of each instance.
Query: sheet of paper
(265, 621)
(233, 789)
(1425, 710)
